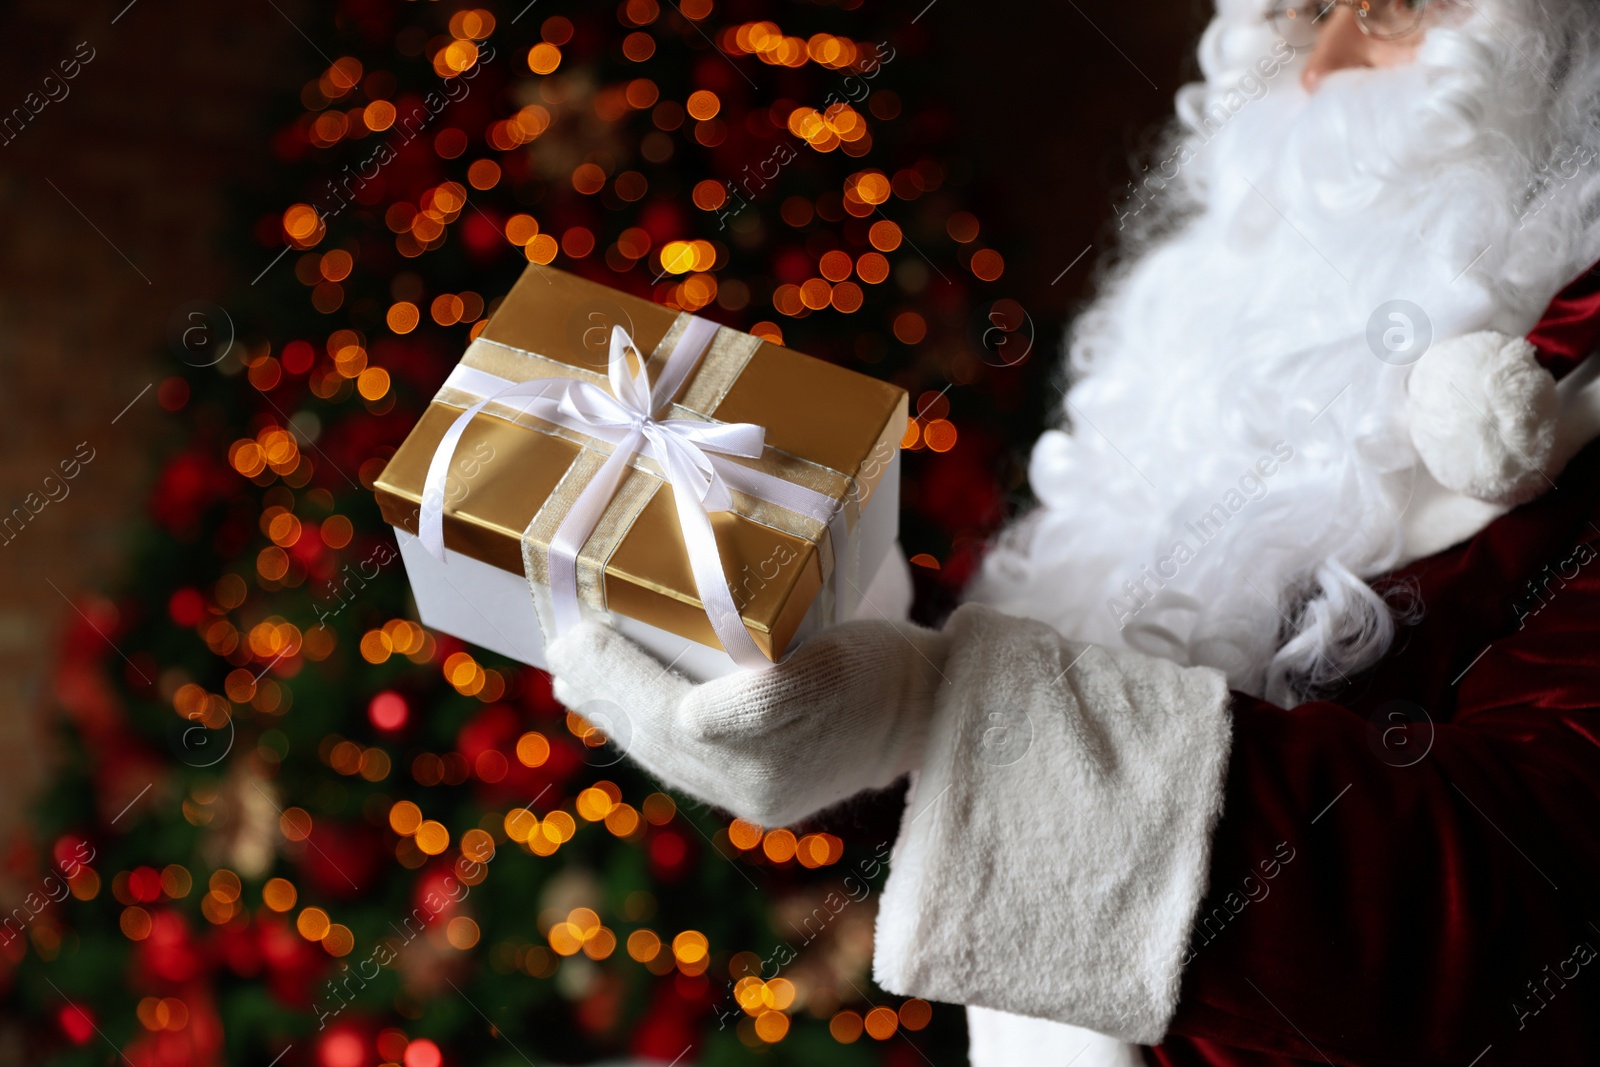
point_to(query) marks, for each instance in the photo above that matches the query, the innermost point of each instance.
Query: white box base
(494, 609)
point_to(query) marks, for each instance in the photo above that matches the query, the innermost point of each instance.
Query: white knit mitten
(846, 712)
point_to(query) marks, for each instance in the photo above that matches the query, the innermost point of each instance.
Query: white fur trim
(1436, 518)
(996, 1039)
(1058, 839)
(1483, 417)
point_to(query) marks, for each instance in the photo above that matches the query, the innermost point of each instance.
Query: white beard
(1226, 370)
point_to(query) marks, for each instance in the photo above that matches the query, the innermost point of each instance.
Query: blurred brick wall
(138, 154)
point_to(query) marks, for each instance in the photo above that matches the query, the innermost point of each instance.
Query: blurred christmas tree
(295, 828)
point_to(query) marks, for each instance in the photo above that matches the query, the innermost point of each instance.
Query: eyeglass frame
(1361, 8)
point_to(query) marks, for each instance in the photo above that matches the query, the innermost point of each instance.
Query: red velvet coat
(1410, 875)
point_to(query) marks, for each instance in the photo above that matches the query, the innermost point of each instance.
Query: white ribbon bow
(687, 451)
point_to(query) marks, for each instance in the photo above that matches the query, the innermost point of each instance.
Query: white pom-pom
(1483, 417)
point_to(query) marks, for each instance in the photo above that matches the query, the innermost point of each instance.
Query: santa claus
(1270, 735)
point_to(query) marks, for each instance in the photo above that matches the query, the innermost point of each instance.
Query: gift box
(721, 496)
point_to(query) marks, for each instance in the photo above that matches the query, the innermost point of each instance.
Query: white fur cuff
(1058, 839)
(1483, 417)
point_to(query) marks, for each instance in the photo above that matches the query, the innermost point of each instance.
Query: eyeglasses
(1297, 21)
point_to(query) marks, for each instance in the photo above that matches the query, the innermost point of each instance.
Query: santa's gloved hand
(846, 712)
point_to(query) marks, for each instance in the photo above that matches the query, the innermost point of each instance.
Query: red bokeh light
(186, 606)
(388, 710)
(423, 1053)
(144, 885)
(76, 1023)
(342, 1048)
(298, 357)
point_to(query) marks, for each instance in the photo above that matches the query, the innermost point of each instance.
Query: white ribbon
(689, 452)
